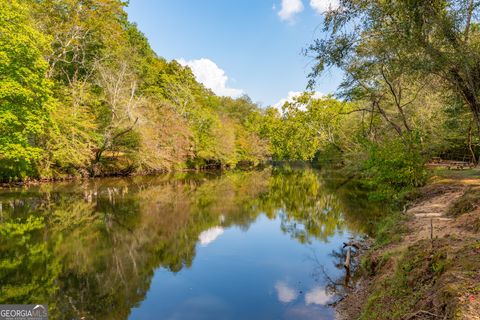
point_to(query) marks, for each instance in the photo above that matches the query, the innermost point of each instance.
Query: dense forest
(84, 94)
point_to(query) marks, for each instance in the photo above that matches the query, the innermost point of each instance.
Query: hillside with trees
(83, 94)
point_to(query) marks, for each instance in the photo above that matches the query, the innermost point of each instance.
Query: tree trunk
(468, 93)
(470, 146)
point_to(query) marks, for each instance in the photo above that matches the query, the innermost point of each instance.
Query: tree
(118, 115)
(387, 43)
(307, 127)
(25, 96)
(82, 33)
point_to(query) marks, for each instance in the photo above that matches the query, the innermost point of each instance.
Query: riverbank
(66, 178)
(430, 267)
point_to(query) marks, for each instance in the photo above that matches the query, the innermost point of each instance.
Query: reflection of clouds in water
(208, 236)
(284, 292)
(317, 296)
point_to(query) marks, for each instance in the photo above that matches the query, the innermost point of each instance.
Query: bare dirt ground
(429, 218)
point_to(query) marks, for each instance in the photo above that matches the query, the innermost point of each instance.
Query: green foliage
(74, 134)
(22, 252)
(395, 166)
(83, 93)
(25, 97)
(306, 127)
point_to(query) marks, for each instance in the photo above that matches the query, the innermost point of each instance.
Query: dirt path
(429, 217)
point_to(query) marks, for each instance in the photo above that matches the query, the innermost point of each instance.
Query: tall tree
(387, 41)
(25, 100)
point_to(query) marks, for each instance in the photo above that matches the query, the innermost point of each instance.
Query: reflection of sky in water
(254, 273)
(287, 294)
(317, 296)
(173, 249)
(284, 292)
(208, 236)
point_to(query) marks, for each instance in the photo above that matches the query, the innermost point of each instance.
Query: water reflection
(285, 293)
(208, 236)
(91, 249)
(317, 295)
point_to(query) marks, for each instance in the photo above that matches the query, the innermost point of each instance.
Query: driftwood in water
(347, 259)
(347, 267)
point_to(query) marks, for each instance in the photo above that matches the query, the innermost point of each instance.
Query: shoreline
(40, 181)
(67, 178)
(431, 270)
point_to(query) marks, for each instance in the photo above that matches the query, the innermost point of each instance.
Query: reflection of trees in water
(91, 250)
(338, 286)
(359, 214)
(105, 247)
(317, 204)
(306, 210)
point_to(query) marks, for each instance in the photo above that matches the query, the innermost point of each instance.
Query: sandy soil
(428, 218)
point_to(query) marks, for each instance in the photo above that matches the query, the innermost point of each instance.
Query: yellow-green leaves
(24, 93)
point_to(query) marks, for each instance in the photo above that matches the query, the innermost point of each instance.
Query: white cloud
(208, 236)
(317, 296)
(284, 292)
(289, 9)
(322, 6)
(211, 76)
(291, 95)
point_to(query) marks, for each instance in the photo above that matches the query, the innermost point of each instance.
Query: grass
(457, 174)
(468, 202)
(393, 295)
(389, 229)
(424, 278)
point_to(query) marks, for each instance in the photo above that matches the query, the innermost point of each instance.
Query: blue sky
(249, 46)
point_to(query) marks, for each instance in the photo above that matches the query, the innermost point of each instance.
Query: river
(264, 244)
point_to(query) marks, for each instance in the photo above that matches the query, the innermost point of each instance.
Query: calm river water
(235, 245)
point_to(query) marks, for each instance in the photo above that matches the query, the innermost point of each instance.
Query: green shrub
(394, 166)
